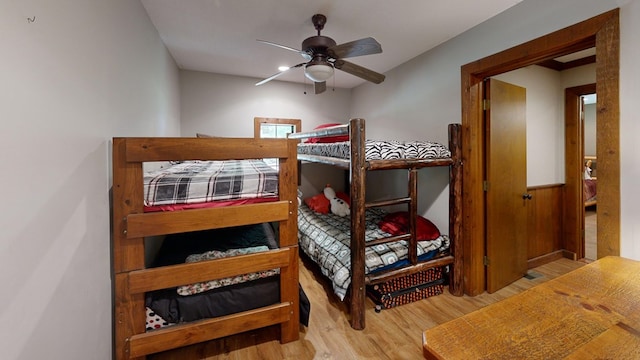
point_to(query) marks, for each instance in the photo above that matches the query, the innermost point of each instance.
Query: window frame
(259, 121)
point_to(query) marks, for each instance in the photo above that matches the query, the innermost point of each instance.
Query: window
(275, 128)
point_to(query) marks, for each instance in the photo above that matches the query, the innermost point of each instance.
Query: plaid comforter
(325, 238)
(192, 182)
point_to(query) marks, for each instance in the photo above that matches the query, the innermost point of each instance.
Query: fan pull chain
(304, 84)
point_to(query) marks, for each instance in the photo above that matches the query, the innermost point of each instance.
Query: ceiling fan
(322, 56)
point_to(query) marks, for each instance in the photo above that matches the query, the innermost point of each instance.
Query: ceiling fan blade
(304, 54)
(278, 74)
(366, 46)
(359, 71)
(320, 87)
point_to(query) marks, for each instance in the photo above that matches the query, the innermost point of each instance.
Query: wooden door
(506, 184)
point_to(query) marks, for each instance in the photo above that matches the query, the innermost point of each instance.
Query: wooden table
(591, 312)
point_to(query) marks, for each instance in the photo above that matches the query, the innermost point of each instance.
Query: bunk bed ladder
(412, 207)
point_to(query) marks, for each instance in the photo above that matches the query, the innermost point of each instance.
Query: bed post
(128, 254)
(289, 331)
(455, 209)
(357, 174)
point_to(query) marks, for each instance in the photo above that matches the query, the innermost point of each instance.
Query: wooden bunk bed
(358, 166)
(132, 278)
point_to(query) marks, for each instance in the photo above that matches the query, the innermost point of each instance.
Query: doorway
(574, 214)
(590, 186)
(602, 32)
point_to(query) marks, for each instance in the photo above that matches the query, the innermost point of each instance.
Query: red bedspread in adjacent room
(589, 189)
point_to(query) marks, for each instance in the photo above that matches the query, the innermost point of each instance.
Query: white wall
(590, 129)
(81, 72)
(584, 75)
(420, 97)
(629, 129)
(223, 105)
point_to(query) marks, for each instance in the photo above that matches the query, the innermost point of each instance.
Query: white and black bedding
(325, 238)
(379, 150)
(220, 297)
(192, 182)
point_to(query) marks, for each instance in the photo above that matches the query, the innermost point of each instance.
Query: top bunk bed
(359, 155)
(147, 207)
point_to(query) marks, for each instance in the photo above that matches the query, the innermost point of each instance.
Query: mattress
(220, 297)
(193, 182)
(325, 238)
(379, 150)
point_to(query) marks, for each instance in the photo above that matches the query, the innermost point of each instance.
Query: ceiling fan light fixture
(318, 72)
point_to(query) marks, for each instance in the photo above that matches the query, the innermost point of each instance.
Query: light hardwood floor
(391, 334)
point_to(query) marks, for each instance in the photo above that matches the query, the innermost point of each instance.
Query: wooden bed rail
(203, 330)
(161, 223)
(324, 132)
(176, 275)
(180, 149)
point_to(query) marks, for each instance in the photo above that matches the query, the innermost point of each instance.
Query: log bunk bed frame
(358, 167)
(131, 225)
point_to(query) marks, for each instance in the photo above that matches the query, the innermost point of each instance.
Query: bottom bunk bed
(219, 297)
(326, 240)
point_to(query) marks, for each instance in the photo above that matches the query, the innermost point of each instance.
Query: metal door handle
(526, 196)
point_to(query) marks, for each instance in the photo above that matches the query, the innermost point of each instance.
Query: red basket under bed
(408, 288)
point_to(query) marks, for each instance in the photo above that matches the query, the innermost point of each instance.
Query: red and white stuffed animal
(338, 206)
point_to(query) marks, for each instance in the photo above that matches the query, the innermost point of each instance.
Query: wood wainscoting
(545, 225)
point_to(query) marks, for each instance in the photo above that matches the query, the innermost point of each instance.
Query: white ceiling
(220, 36)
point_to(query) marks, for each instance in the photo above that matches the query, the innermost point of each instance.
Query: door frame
(574, 169)
(601, 31)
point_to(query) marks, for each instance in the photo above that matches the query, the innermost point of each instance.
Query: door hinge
(486, 104)
(485, 261)
(485, 186)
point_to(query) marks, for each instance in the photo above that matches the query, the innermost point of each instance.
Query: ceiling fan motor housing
(318, 69)
(317, 44)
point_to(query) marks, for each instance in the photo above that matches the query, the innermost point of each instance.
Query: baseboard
(569, 255)
(546, 258)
